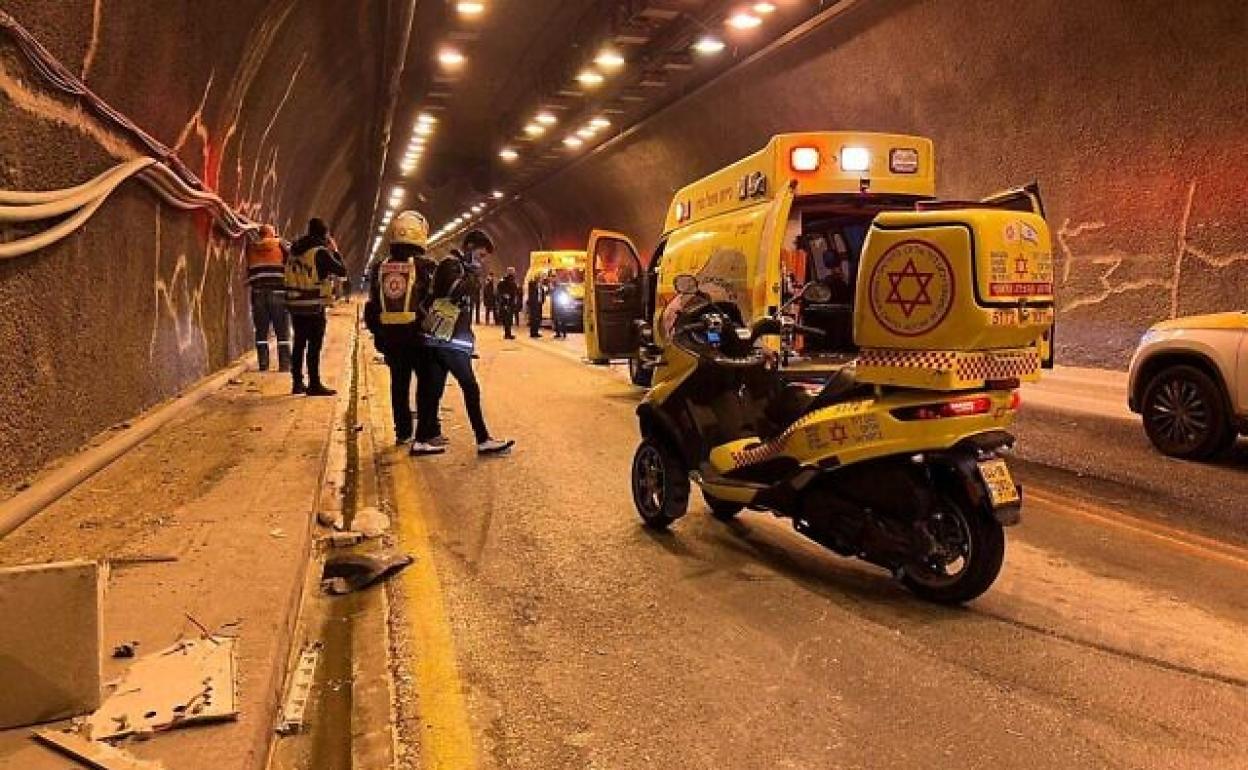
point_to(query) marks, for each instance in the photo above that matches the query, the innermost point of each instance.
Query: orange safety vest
(265, 262)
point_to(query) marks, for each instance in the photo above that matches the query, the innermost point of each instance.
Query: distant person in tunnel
(450, 340)
(489, 296)
(266, 275)
(397, 288)
(534, 301)
(314, 263)
(508, 302)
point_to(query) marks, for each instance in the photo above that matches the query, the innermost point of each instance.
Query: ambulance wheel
(638, 373)
(722, 510)
(660, 484)
(967, 549)
(1185, 414)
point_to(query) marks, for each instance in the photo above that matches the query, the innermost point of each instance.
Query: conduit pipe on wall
(20, 508)
(86, 198)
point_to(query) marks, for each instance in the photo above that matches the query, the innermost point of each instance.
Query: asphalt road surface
(579, 639)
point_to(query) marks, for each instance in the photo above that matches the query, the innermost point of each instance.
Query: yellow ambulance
(802, 209)
(565, 273)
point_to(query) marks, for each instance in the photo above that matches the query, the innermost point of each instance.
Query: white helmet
(410, 228)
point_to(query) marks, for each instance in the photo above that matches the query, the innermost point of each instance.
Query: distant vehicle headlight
(563, 299)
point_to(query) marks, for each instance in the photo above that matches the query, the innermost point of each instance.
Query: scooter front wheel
(967, 550)
(660, 484)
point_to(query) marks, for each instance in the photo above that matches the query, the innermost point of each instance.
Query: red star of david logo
(910, 275)
(1021, 266)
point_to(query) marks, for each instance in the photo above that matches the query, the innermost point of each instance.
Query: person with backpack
(310, 271)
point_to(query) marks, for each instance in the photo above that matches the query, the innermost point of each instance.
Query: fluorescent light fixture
(743, 20)
(396, 193)
(590, 78)
(470, 9)
(708, 45)
(425, 119)
(764, 8)
(600, 123)
(573, 142)
(546, 118)
(534, 130)
(477, 209)
(508, 154)
(423, 129)
(451, 58)
(497, 195)
(586, 133)
(609, 59)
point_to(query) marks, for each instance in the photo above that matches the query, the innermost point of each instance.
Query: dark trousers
(556, 320)
(535, 320)
(403, 366)
(309, 337)
(476, 310)
(268, 311)
(489, 312)
(508, 319)
(435, 365)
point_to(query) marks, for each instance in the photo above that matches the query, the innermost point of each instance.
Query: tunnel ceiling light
(451, 58)
(425, 119)
(600, 123)
(534, 130)
(477, 209)
(590, 78)
(764, 8)
(423, 129)
(573, 142)
(546, 118)
(743, 20)
(497, 195)
(610, 59)
(586, 133)
(708, 45)
(470, 9)
(509, 155)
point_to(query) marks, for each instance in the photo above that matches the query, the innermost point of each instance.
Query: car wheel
(1185, 414)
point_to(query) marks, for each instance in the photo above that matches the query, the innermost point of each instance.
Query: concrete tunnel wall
(263, 102)
(1132, 114)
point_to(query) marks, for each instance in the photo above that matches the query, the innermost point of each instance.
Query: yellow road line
(446, 741)
(1204, 547)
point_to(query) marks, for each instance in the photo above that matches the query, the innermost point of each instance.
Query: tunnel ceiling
(525, 58)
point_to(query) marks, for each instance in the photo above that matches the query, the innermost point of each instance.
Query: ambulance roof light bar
(805, 159)
(855, 159)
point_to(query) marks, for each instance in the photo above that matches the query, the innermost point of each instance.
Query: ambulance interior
(823, 243)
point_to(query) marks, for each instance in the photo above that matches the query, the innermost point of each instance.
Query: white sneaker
(495, 446)
(421, 449)
(441, 441)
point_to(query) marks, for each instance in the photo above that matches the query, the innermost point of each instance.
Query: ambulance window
(615, 263)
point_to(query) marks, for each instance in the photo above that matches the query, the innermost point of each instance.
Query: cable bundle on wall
(165, 173)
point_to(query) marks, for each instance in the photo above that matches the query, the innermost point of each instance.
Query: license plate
(1001, 488)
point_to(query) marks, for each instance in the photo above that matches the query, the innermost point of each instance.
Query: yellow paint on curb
(446, 742)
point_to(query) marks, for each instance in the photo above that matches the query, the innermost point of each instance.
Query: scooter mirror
(685, 284)
(816, 292)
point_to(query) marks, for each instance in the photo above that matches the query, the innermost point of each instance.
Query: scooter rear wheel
(660, 484)
(969, 548)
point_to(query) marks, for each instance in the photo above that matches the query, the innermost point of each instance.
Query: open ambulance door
(614, 299)
(1027, 198)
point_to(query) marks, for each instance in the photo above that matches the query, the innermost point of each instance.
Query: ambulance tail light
(963, 407)
(855, 159)
(805, 159)
(903, 160)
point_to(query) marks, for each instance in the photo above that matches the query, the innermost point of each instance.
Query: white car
(1189, 380)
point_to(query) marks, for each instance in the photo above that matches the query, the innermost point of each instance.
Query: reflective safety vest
(396, 284)
(264, 263)
(306, 290)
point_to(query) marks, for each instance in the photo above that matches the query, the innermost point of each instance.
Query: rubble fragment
(99, 756)
(291, 720)
(350, 572)
(371, 522)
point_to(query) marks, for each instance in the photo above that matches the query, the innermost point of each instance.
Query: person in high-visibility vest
(266, 275)
(310, 271)
(397, 288)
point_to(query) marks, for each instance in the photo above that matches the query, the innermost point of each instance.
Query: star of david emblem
(909, 277)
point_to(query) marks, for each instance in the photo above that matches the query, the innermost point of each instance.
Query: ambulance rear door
(614, 300)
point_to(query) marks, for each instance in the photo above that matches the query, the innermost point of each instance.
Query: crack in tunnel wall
(144, 299)
(1130, 113)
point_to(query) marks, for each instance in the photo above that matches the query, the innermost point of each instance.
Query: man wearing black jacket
(397, 288)
(450, 343)
(508, 302)
(310, 271)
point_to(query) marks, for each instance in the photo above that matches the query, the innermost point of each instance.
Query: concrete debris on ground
(100, 756)
(343, 539)
(50, 641)
(371, 522)
(331, 519)
(295, 704)
(192, 681)
(350, 572)
(125, 650)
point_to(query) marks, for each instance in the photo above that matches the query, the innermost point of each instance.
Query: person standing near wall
(508, 299)
(489, 296)
(310, 273)
(450, 342)
(397, 288)
(266, 275)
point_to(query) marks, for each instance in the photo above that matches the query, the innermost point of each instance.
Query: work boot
(317, 389)
(262, 356)
(283, 357)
